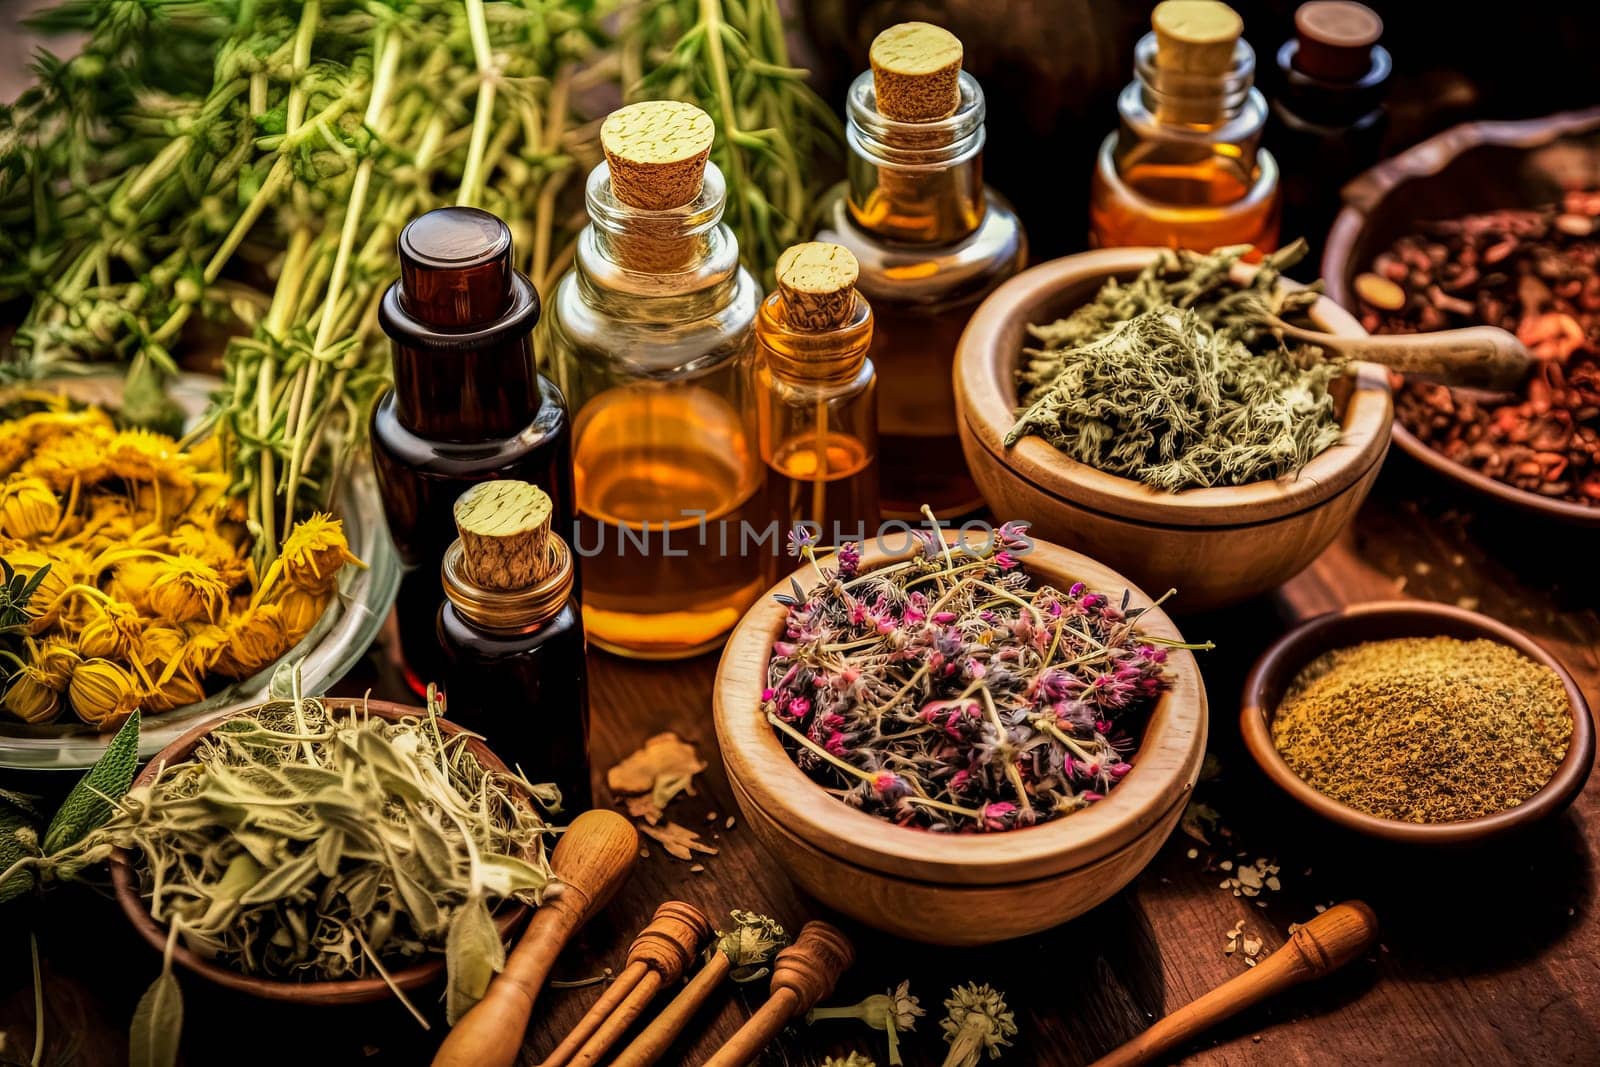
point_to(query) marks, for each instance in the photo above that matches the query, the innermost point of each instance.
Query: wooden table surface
(1486, 957)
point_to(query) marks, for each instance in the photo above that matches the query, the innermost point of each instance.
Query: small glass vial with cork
(1185, 168)
(819, 422)
(1328, 116)
(512, 637)
(468, 402)
(932, 241)
(651, 335)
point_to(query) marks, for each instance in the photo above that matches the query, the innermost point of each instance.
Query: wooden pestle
(592, 860)
(802, 975)
(1316, 949)
(657, 956)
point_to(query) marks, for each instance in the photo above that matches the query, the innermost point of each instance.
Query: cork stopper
(505, 534)
(1335, 39)
(914, 72)
(817, 281)
(657, 150)
(1195, 36)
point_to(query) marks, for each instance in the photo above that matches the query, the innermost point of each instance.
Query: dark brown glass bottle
(468, 402)
(512, 639)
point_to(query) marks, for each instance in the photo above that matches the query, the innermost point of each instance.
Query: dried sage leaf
(92, 800)
(474, 954)
(158, 1020)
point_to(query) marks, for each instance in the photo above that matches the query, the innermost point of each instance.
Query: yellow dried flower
(224, 557)
(182, 688)
(161, 645)
(76, 457)
(131, 582)
(113, 632)
(143, 456)
(186, 589)
(102, 693)
(28, 508)
(300, 610)
(14, 446)
(31, 699)
(314, 551)
(46, 603)
(56, 659)
(254, 639)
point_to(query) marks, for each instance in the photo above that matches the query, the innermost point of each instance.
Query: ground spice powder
(1425, 730)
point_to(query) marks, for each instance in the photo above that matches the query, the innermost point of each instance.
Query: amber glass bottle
(651, 336)
(819, 425)
(932, 241)
(1328, 116)
(1185, 168)
(512, 637)
(468, 403)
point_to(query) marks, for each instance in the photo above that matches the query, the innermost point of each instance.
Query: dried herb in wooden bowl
(1176, 378)
(948, 691)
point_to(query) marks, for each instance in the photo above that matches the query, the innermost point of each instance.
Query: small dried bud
(28, 508)
(187, 589)
(30, 699)
(314, 553)
(102, 693)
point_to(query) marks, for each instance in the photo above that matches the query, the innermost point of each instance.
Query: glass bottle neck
(1217, 108)
(656, 266)
(465, 383)
(919, 182)
(813, 358)
(514, 611)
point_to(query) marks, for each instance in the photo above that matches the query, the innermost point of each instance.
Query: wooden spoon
(592, 860)
(1320, 947)
(1477, 357)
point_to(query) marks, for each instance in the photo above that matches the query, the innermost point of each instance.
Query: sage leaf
(157, 1023)
(474, 954)
(284, 881)
(90, 803)
(18, 841)
(507, 876)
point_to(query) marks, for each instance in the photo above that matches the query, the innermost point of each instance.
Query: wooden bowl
(125, 882)
(958, 889)
(1215, 546)
(1279, 664)
(1478, 166)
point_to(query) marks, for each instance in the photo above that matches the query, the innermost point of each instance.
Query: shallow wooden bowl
(1279, 664)
(125, 881)
(958, 889)
(1477, 166)
(1215, 546)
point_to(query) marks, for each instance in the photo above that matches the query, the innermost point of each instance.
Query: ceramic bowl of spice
(341, 921)
(1490, 223)
(935, 826)
(1418, 723)
(1216, 544)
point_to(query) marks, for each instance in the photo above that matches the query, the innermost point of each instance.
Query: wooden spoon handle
(592, 860)
(803, 974)
(1478, 357)
(1320, 947)
(664, 1029)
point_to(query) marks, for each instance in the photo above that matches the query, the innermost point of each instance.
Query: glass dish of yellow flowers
(129, 579)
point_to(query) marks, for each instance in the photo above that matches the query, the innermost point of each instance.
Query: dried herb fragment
(1177, 380)
(679, 841)
(894, 1012)
(653, 776)
(977, 1020)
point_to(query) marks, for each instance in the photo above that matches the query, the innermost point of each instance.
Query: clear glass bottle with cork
(819, 420)
(1328, 117)
(468, 402)
(512, 637)
(932, 241)
(650, 336)
(1185, 168)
